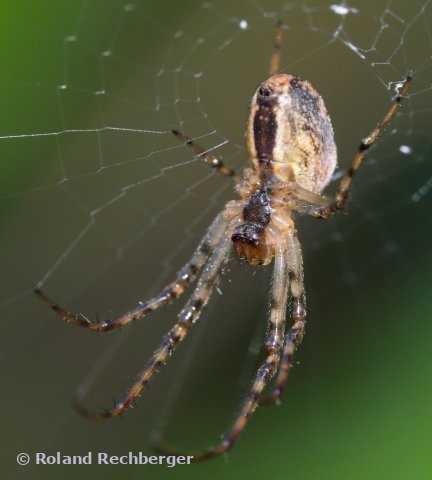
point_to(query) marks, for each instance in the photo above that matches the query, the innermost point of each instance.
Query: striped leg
(211, 160)
(293, 196)
(267, 369)
(170, 293)
(187, 317)
(341, 197)
(275, 58)
(298, 315)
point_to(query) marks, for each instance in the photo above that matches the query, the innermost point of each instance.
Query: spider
(291, 147)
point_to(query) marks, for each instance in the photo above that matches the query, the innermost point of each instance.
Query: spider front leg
(268, 368)
(168, 295)
(298, 316)
(340, 200)
(187, 317)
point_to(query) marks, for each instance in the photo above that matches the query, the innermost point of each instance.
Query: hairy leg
(187, 317)
(168, 295)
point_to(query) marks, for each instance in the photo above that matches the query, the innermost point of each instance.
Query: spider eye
(265, 91)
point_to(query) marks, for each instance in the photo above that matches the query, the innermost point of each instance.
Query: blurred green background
(101, 206)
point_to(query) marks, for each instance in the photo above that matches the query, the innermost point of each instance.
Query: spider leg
(266, 371)
(341, 197)
(210, 159)
(298, 314)
(275, 58)
(293, 196)
(187, 317)
(168, 295)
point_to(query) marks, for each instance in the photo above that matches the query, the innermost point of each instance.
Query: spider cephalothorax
(292, 152)
(250, 237)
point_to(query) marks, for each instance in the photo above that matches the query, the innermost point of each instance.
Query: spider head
(251, 245)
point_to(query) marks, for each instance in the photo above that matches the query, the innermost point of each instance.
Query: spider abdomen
(289, 134)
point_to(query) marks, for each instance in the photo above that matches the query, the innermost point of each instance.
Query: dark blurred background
(100, 205)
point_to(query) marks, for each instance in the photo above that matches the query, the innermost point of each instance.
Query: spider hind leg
(211, 160)
(341, 197)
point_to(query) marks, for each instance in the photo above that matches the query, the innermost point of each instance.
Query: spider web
(101, 204)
